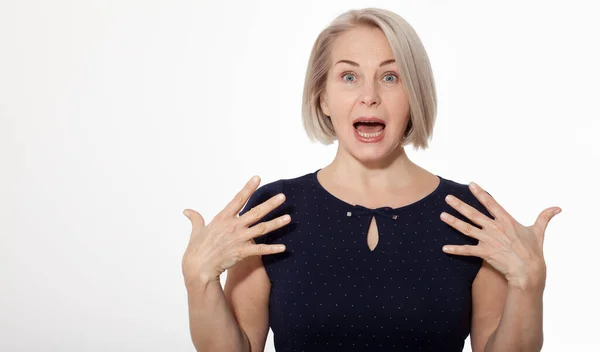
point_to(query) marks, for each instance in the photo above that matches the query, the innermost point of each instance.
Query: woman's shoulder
(461, 190)
(288, 186)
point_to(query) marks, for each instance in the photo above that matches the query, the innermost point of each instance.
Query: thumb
(195, 217)
(541, 223)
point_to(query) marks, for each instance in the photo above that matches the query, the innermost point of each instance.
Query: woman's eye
(386, 79)
(391, 75)
(346, 75)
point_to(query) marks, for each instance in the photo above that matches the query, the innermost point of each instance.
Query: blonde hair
(411, 57)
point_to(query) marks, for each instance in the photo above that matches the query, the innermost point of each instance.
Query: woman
(359, 266)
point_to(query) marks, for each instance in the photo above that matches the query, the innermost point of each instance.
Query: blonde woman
(352, 256)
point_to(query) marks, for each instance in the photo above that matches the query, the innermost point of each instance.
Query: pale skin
(507, 291)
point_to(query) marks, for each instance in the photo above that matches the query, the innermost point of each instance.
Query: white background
(117, 115)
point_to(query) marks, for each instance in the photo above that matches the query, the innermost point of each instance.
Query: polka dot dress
(331, 292)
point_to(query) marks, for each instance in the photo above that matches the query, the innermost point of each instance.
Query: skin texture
(367, 90)
(380, 173)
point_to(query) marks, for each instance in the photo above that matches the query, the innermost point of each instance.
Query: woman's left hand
(511, 248)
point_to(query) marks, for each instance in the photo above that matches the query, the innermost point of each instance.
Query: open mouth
(369, 129)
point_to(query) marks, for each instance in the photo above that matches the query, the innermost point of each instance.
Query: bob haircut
(411, 57)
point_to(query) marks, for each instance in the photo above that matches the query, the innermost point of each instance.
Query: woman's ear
(324, 105)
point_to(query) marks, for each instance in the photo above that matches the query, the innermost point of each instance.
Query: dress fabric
(331, 292)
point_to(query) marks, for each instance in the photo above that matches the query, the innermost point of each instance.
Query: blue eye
(352, 75)
(391, 75)
(346, 74)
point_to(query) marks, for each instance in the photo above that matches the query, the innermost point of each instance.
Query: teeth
(369, 135)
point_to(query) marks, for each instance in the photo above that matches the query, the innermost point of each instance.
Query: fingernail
(186, 213)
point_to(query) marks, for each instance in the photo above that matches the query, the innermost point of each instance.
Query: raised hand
(511, 248)
(227, 239)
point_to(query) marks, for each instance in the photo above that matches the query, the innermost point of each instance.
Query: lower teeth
(369, 135)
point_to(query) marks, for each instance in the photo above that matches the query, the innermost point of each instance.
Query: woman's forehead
(364, 47)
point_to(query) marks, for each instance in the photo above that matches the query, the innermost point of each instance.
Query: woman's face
(366, 85)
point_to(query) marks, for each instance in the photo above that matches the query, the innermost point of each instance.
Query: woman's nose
(370, 95)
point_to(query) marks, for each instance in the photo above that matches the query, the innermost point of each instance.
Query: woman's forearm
(212, 324)
(520, 327)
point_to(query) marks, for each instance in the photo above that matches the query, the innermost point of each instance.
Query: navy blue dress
(330, 292)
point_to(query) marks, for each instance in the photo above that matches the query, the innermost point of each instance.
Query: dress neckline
(426, 198)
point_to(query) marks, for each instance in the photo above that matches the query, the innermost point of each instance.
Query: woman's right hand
(227, 239)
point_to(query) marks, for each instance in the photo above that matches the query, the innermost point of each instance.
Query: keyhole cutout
(373, 235)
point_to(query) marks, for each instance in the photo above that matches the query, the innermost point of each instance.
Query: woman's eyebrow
(386, 62)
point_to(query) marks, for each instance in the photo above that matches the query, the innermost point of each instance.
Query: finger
(462, 226)
(265, 227)
(195, 217)
(258, 212)
(237, 203)
(488, 201)
(465, 250)
(262, 249)
(468, 211)
(541, 223)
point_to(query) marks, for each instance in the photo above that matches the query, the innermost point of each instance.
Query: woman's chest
(329, 264)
